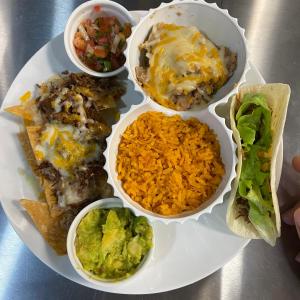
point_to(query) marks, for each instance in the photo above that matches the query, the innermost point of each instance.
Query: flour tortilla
(277, 96)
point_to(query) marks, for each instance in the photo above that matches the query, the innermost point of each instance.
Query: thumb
(288, 216)
(297, 224)
(297, 220)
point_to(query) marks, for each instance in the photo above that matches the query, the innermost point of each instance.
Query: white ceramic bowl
(208, 116)
(86, 11)
(216, 23)
(103, 203)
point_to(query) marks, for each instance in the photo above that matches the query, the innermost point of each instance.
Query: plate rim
(139, 13)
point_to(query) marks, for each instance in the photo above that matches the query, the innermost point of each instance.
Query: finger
(288, 216)
(297, 220)
(297, 258)
(296, 163)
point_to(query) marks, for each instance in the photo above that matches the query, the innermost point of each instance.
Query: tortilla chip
(53, 229)
(50, 196)
(20, 111)
(34, 136)
(277, 96)
(25, 143)
(34, 133)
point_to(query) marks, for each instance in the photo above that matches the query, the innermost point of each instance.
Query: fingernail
(297, 258)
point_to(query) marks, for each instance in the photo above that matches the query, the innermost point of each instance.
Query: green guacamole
(253, 120)
(111, 243)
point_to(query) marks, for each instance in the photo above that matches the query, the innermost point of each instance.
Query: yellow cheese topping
(25, 97)
(181, 58)
(61, 146)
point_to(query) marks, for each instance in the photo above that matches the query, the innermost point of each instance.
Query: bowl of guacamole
(107, 243)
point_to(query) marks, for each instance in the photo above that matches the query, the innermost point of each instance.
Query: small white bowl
(207, 116)
(216, 23)
(86, 11)
(103, 203)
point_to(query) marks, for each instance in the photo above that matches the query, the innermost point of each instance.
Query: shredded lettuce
(254, 125)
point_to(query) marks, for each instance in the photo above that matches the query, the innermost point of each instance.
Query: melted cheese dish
(64, 147)
(180, 61)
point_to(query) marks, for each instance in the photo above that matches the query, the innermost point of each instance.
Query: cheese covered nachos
(64, 138)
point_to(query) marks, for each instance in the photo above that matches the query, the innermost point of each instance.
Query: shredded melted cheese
(25, 97)
(64, 147)
(180, 59)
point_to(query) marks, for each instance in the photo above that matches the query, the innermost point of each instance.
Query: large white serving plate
(183, 254)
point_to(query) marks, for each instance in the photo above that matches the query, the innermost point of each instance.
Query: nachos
(64, 138)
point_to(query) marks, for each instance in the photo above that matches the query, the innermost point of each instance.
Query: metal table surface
(257, 272)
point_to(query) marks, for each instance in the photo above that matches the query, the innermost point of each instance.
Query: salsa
(111, 243)
(100, 43)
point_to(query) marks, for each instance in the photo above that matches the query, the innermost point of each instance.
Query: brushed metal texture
(257, 272)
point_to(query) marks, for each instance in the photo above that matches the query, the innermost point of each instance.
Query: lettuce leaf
(263, 223)
(254, 125)
(254, 122)
(251, 168)
(252, 99)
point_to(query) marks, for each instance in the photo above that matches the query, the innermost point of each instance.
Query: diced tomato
(97, 8)
(87, 22)
(103, 40)
(91, 31)
(79, 43)
(104, 27)
(91, 43)
(93, 66)
(111, 20)
(100, 51)
(79, 52)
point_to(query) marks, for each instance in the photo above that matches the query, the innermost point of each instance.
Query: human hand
(292, 216)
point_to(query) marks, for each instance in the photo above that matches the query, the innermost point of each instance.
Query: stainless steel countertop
(257, 272)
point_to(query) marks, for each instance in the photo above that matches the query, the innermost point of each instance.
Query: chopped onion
(83, 32)
(95, 26)
(115, 43)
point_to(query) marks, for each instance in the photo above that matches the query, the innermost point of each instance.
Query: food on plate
(257, 116)
(65, 129)
(169, 165)
(100, 43)
(53, 228)
(111, 243)
(180, 67)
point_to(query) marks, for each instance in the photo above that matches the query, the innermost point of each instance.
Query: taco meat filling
(180, 67)
(254, 197)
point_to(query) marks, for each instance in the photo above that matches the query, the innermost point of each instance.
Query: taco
(257, 118)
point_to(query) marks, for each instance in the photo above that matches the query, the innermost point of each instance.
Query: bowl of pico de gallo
(95, 37)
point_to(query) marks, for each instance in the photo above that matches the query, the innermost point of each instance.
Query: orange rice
(169, 165)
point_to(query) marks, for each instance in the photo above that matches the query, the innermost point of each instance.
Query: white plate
(184, 253)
